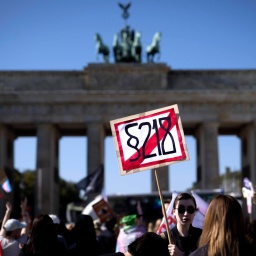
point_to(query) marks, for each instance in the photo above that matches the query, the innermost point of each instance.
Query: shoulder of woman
(201, 251)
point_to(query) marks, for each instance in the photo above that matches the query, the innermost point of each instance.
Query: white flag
(170, 218)
(202, 206)
(248, 192)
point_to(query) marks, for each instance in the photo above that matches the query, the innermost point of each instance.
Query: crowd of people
(224, 233)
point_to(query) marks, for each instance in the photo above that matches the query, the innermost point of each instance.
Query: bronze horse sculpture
(154, 48)
(137, 48)
(101, 48)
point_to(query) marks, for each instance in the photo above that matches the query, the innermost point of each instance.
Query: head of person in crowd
(183, 236)
(224, 229)
(42, 232)
(13, 233)
(184, 210)
(13, 228)
(111, 223)
(154, 225)
(149, 244)
(60, 229)
(130, 229)
(184, 205)
(108, 236)
(166, 204)
(43, 238)
(128, 221)
(84, 237)
(84, 228)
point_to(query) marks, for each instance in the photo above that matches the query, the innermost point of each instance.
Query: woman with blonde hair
(224, 230)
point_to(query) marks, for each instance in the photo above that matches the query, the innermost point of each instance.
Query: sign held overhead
(149, 140)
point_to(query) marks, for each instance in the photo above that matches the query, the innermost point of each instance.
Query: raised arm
(6, 217)
(24, 215)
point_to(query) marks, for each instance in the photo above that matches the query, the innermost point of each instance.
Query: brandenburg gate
(52, 104)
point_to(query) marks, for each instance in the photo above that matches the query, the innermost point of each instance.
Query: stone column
(163, 178)
(7, 138)
(95, 146)
(248, 159)
(207, 156)
(47, 175)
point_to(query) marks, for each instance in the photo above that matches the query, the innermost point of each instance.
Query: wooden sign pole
(163, 209)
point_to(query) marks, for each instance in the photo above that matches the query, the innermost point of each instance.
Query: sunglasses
(190, 209)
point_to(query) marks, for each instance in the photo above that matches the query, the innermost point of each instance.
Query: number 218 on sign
(151, 140)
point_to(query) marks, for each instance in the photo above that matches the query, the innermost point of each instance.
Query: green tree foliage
(24, 186)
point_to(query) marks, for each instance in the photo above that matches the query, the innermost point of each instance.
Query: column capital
(213, 124)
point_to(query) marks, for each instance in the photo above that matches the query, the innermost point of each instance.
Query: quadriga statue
(127, 46)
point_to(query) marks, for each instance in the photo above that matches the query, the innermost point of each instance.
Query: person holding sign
(184, 236)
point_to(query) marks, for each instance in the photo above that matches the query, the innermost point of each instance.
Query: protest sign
(149, 140)
(103, 210)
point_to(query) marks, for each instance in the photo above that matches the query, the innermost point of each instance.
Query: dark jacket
(186, 244)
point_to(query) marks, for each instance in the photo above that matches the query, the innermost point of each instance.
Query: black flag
(93, 183)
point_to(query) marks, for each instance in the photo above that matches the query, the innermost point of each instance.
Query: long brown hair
(43, 239)
(224, 227)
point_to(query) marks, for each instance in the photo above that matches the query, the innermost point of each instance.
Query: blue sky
(59, 35)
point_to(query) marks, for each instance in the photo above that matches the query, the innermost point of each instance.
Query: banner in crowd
(170, 217)
(202, 206)
(248, 192)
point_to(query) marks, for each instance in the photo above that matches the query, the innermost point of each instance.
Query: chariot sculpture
(126, 46)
